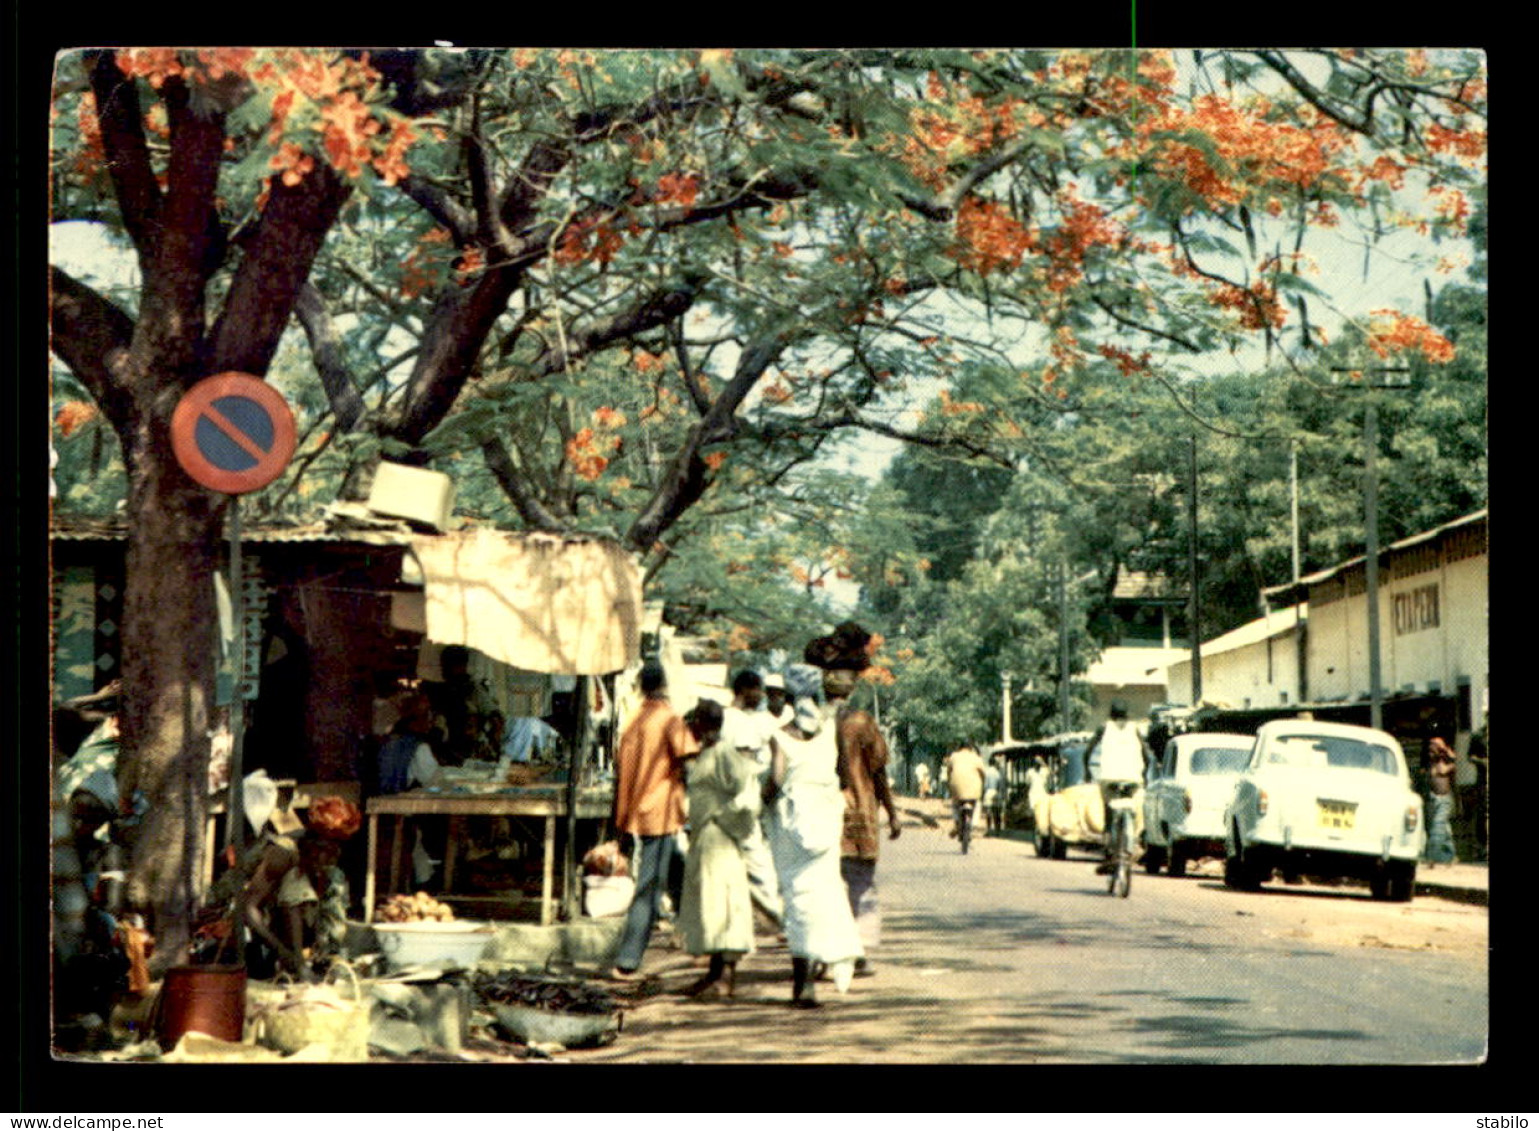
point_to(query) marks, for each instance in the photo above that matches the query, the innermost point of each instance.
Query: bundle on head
(334, 818)
(843, 649)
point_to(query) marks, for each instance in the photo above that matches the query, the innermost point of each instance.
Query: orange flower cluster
(1386, 169)
(72, 415)
(584, 453)
(1451, 206)
(157, 64)
(1083, 226)
(1250, 148)
(293, 161)
(589, 239)
(1125, 361)
(419, 271)
(1119, 94)
(1394, 332)
(353, 129)
(1469, 144)
(714, 460)
(91, 157)
(950, 407)
(1257, 305)
(948, 129)
(677, 188)
(989, 238)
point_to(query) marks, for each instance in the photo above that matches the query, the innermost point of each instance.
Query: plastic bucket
(202, 999)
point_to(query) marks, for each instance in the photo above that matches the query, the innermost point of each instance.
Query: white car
(1188, 791)
(1325, 799)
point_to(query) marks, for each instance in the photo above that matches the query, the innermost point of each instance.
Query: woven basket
(319, 1015)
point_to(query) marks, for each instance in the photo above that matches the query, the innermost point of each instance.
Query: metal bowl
(544, 1026)
(458, 941)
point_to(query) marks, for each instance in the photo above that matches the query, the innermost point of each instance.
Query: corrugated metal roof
(1279, 623)
(1393, 547)
(76, 528)
(82, 528)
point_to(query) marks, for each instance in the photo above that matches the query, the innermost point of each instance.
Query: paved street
(1000, 956)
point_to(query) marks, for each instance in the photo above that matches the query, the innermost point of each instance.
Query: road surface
(1003, 957)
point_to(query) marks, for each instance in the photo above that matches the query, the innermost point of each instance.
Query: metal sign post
(234, 433)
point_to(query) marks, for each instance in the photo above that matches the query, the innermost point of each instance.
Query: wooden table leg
(368, 877)
(456, 828)
(395, 855)
(547, 915)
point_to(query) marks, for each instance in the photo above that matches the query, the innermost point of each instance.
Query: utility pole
(1193, 618)
(1004, 679)
(1063, 645)
(1371, 531)
(1298, 600)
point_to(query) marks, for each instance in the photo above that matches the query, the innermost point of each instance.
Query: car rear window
(1220, 759)
(1321, 751)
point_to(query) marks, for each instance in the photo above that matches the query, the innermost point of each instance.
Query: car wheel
(1154, 858)
(1045, 845)
(1177, 861)
(1060, 848)
(1239, 872)
(1396, 883)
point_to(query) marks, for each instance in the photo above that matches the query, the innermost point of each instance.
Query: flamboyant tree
(622, 278)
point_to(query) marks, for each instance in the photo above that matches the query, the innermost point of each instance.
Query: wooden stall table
(547, 801)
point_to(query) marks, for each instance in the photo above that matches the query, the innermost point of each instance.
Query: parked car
(1189, 789)
(1329, 800)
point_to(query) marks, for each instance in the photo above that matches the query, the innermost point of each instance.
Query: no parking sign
(233, 433)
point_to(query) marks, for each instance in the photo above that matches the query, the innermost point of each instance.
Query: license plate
(1337, 814)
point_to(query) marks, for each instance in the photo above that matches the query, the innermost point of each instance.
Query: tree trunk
(170, 637)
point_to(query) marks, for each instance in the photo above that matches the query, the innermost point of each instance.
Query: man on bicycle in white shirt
(1124, 756)
(964, 781)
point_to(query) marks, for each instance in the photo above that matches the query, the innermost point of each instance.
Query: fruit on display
(418, 908)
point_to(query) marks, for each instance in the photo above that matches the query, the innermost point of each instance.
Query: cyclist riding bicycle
(1124, 756)
(964, 781)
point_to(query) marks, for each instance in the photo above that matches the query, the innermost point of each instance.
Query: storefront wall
(1262, 674)
(1433, 630)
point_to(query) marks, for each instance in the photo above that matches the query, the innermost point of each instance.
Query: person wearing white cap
(806, 822)
(775, 699)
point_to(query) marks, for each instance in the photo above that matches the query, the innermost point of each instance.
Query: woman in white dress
(805, 823)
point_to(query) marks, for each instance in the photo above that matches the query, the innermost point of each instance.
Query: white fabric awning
(538, 602)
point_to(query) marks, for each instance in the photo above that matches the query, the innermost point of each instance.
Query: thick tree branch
(534, 513)
(276, 264)
(128, 157)
(651, 312)
(687, 477)
(326, 350)
(92, 337)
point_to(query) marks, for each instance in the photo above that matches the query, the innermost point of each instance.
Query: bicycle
(1120, 814)
(965, 823)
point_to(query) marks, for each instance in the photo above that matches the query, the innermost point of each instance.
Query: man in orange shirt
(649, 807)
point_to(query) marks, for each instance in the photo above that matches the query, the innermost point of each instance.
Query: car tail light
(1261, 803)
(1186, 801)
(1412, 817)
